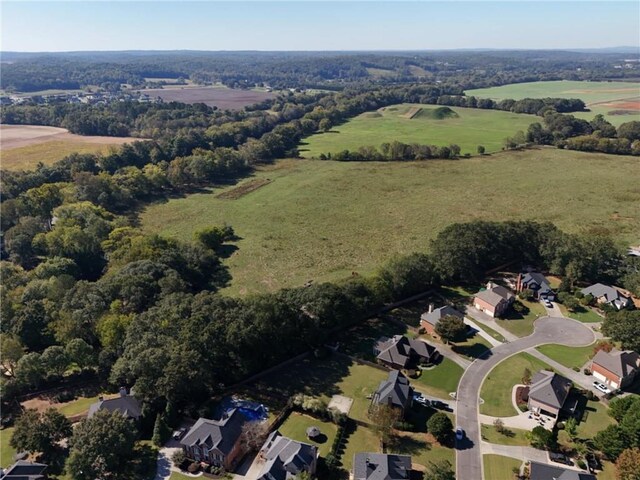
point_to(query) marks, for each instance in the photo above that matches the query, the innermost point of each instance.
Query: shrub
(586, 371)
(440, 426)
(193, 467)
(523, 407)
(404, 426)
(178, 458)
(581, 464)
(576, 369)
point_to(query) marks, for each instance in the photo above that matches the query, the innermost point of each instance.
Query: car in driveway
(560, 458)
(178, 434)
(602, 387)
(548, 304)
(419, 399)
(438, 405)
(459, 433)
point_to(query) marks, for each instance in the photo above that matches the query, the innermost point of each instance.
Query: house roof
(609, 293)
(23, 470)
(398, 350)
(128, 405)
(285, 458)
(216, 434)
(541, 471)
(435, 316)
(495, 295)
(394, 391)
(549, 388)
(535, 278)
(621, 363)
(380, 466)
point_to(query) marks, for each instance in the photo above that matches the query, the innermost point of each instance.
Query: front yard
(520, 324)
(582, 314)
(296, 425)
(496, 388)
(516, 437)
(422, 448)
(570, 357)
(473, 347)
(440, 380)
(499, 467)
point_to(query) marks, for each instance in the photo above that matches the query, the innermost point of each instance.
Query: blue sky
(309, 25)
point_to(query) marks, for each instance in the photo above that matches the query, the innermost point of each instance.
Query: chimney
(123, 391)
(101, 398)
(430, 307)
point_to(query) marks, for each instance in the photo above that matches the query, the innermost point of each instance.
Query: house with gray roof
(284, 458)
(537, 283)
(617, 369)
(395, 392)
(23, 470)
(124, 403)
(541, 471)
(380, 466)
(495, 300)
(216, 442)
(403, 352)
(430, 318)
(548, 393)
(608, 295)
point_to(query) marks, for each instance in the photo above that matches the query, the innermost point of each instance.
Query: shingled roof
(127, 405)
(394, 391)
(495, 295)
(620, 363)
(380, 466)
(549, 388)
(434, 317)
(610, 294)
(23, 470)
(399, 349)
(541, 471)
(216, 434)
(286, 458)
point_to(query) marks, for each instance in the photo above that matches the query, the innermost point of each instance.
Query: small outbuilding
(313, 432)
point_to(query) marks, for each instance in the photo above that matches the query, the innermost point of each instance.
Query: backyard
(422, 448)
(497, 388)
(362, 439)
(296, 425)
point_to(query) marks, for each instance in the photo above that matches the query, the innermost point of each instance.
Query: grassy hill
(600, 97)
(425, 124)
(324, 220)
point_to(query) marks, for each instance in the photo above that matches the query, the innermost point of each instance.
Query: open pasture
(424, 124)
(618, 101)
(22, 147)
(215, 96)
(322, 221)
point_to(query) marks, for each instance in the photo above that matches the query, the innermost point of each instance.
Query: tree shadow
(226, 250)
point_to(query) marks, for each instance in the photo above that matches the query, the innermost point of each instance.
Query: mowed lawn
(470, 128)
(498, 467)
(7, 452)
(600, 97)
(296, 425)
(519, 324)
(568, 356)
(498, 386)
(440, 380)
(363, 439)
(513, 436)
(322, 221)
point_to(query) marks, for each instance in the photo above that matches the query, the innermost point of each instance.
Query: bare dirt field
(244, 189)
(223, 98)
(24, 146)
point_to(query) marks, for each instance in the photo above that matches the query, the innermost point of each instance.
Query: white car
(602, 387)
(548, 304)
(459, 433)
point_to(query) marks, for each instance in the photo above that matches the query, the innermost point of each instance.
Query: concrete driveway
(547, 330)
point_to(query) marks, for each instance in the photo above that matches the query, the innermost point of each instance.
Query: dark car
(437, 404)
(593, 462)
(560, 458)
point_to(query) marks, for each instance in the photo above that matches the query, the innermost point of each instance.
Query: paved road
(547, 330)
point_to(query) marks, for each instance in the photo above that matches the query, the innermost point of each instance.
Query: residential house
(494, 301)
(542, 471)
(430, 318)
(285, 458)
(548, 393)
(216, 442)
(125, 403)
(616, 369)
(381, 466)
(23, 470)
(607, 295)
(395, 392)
(402, 352)
(537, 283)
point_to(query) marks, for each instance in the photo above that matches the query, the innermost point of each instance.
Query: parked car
(418, 398)
(548, 304)
(437, 404)
(560, 458)
(593, 462)
(602, 387)
(178, 434)
(459, 433)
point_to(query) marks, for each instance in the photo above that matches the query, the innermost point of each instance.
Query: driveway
(547, 330)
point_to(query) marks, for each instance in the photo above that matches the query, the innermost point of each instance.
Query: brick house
(216, 442)
(401, 352)
(494, 301)
(430, 318)
(616, 369)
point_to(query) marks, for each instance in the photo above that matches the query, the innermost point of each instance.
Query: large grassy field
(469, 128)
(322, 221)
(600, 97)
(28, 157)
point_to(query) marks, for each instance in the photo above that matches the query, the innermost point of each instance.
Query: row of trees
(532, 106)
(395, 151)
